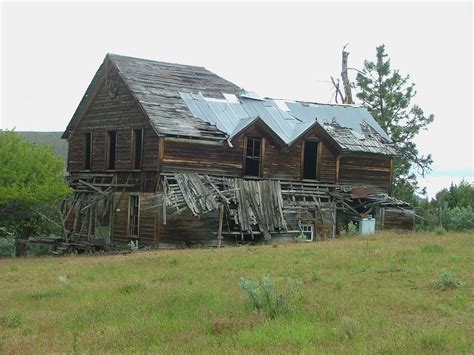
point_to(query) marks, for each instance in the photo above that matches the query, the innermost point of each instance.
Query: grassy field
(363, 295)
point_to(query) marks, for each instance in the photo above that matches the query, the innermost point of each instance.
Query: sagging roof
(351, 127)
(190, 101)
(155, 85)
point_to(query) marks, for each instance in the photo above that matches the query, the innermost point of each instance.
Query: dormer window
(253, 157)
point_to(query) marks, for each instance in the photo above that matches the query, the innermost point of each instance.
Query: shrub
(7, 247)
(447, 280)
(133, 245)
(264, 296)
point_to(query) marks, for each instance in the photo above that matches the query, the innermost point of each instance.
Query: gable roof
(190, 101)
(155, 86)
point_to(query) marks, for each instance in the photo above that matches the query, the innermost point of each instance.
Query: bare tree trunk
(345, 77)
(20, 247)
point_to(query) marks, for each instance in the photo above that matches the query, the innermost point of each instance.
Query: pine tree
(387, 95)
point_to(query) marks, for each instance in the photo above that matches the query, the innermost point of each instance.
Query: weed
(439, 231)
(454, 258)
(434, 342)
(264, 297)
(131, 288)
(447, 281)
(12, 320)
(174, 262)
(432, 248)
(347, 328)
(315, 276)
(41, 295)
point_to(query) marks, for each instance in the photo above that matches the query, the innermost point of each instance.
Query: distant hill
(60, 146)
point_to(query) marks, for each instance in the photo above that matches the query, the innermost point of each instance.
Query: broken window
(133, 215)
(308, 231)
(137, 148)
(310, 162)
(87, 151)
(253, 157)
(111, 145)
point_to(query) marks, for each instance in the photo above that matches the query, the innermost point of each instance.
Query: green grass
(357, 295)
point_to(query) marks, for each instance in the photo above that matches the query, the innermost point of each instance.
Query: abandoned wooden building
(170, 154)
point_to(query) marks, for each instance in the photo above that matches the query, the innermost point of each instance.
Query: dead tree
(347, 97)
(345, 77)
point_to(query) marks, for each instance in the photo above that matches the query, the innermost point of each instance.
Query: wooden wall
(188, 155)
(147, 223)
(122, 114)
(365, 170)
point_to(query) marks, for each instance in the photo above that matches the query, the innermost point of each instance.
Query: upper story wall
(184, 155)
(121, 114)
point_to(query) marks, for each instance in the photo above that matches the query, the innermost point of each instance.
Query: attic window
(253, 157)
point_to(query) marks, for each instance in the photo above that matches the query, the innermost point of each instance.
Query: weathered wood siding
(361, 170)
(188, 155)
(186, 229)
(147, 222)
(107, 114)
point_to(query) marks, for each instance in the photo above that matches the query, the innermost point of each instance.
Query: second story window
(253, 157)
(111, 145)
(137, 148)
(87, 151)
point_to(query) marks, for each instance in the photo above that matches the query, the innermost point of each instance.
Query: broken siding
(121, 114)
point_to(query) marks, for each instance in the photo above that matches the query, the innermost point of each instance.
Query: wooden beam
(221, 218)
(337, 167)
(390, 178)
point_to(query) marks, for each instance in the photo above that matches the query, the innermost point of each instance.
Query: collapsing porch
(262, 208)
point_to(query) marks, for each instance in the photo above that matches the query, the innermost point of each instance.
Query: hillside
(60, 146)
(357, 295)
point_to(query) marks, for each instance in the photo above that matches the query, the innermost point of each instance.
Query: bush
(7, 247)
(264, 297)
(447, 280)
(458, 219)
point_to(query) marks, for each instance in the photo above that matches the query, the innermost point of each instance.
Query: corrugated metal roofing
(352, 127)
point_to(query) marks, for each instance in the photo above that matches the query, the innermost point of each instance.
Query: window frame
(134, 151)
(318, 158)
(258, 158)
(108, 150)
(303, 229)
(131, 197)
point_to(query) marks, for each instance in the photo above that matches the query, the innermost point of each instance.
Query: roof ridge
(111, 55)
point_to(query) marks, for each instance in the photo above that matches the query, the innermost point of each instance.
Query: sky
(51, 50)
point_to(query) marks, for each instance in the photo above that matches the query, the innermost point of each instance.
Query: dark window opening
(111, 144)
(133, 215)
(253, 157)
(310, 163)
(88, 151)
(137, 142)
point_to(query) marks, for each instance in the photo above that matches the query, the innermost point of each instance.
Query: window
(307, 231)
(137, 148)
(310, 160)
(111, 145)
(87, 151)
(253, 157)
(133, 215)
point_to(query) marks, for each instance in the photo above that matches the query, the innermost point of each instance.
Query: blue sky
(51, 50)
